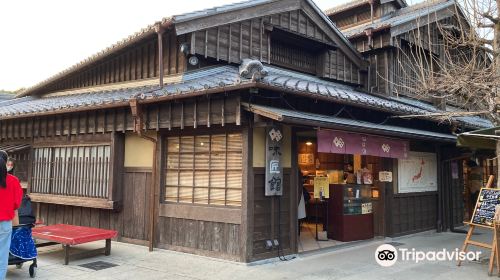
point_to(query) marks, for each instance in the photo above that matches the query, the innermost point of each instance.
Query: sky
(41, 38)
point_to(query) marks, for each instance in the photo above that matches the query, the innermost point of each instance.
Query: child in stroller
(22, 248)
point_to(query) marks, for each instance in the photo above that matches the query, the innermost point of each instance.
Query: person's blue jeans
(5, 237)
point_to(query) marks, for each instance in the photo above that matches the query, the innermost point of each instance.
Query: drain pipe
(136, 110)
(137, 115)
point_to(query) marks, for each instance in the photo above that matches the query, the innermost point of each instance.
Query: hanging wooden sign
(274, 168)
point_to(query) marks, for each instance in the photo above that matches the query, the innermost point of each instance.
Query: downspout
(136, 109)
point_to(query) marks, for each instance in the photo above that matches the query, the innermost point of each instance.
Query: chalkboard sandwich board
(484, 212)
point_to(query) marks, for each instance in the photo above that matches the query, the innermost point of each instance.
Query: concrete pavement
(358, 262)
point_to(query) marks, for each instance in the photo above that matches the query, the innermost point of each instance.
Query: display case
(350, 214)
(356, 199)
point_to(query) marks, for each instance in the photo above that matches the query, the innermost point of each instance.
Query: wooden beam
(229, 44)
(206, 43)
(261, 30)
(89, 202)
(238, 112)
(201, 213)
(157, 117)
(170, 116)
(217, 51)
(209, 105)
(222, 112)
(241, 40)
(192, 48)
(195, 117)
(251, 39)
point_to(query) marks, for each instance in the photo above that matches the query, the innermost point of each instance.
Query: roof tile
(220, 77)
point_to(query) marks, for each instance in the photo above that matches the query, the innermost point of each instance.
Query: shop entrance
(347, 203)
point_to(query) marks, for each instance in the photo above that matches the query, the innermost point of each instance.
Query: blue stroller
(22, 248)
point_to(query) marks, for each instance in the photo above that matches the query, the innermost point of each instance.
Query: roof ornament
(252, 69)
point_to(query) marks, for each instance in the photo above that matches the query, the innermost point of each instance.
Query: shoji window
(81, 171)
(204, 169)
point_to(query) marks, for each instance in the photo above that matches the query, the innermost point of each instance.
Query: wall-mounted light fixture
(185, 48)
(309, 143)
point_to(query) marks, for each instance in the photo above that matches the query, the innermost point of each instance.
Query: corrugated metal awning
(11, 148)
(323, 121)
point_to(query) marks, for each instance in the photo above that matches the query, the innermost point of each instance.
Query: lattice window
(293, 57)
(204, 169)
(81, 171)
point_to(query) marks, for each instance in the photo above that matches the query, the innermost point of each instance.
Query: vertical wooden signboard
(274, 167)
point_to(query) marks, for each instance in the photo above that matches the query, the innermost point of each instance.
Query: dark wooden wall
(337, 66)
(407, 213)
(251, 38)
(265, 217)
(131, 221)
(361, 14)
(453, 191)
(137, 62)
(413, 212)
(213, 239)
(195, 112)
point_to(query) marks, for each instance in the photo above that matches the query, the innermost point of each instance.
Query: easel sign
(484, 212)
(484, 216)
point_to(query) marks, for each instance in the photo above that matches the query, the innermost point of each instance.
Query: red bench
(69, 235)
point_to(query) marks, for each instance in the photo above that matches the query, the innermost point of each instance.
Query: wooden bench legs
(107, 249)
(66, 254)
(66, 248)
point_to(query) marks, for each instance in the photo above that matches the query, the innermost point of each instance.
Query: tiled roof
(353, 4)
(168, 22)
(346, 6)
(215, 79)
(472, 121)
(6, 96)
(400, 16)
(343, 123)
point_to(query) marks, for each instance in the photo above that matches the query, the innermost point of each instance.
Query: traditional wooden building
(189, 135)
(397, 39)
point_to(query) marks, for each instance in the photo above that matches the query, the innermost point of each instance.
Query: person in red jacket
(11, 194)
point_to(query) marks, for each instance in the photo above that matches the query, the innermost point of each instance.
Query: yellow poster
(321, 184)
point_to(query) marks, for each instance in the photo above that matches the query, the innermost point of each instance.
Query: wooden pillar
(247, 206)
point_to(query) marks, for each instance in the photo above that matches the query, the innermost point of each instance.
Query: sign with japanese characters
(274, 168)
(340, 142)
(366, 208)
(306, 159)
(385, 176)
(321, 187)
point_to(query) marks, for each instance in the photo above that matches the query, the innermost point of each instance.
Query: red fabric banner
(339, 142)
